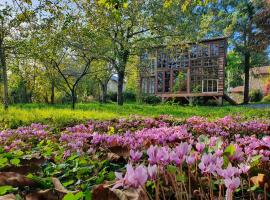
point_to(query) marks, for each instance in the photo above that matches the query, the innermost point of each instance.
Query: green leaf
(71, 196)
(3, 162)
(230, 150)
(5, 189)
(255, 160)
(172, 169)
(15, 161)
(225, 161)
(88, 195)
(67, 183)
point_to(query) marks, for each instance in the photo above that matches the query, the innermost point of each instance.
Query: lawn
(61, 115)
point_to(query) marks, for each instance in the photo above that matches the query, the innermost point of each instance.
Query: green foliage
(129, 96)
(60, 115)
(256, 95)
(71, 196)
(5, 189)
(151, 99)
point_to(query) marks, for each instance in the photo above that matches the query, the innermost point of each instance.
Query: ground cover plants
(60, 116)
(138, 158)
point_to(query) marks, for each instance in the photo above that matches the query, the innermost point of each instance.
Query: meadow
(59, 116)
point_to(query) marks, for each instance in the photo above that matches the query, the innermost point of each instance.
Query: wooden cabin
(194, 71)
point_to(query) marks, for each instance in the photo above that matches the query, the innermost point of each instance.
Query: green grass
(62, 115)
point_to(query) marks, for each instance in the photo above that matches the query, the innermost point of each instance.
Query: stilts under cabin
(196, 70)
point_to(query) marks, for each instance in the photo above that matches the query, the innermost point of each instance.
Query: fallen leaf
(15, 180)
(8, 197)
(258, 180)
(59, 187)
(44, 195)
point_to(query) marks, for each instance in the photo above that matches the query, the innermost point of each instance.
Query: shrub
(256, 96)
(129, 96)
(266, 98)
(151, 99)
(112, 96)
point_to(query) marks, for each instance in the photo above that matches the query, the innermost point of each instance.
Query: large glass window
(183, 80)
(205, 50)
(167, 81)
(144, 85)
(152, 85)
(184, 60)
(210, 85)
(160, 82)
(152, 65)
(194, 51)
(176, 83)
(214, 49)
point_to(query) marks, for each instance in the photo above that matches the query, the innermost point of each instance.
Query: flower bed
(146, 158)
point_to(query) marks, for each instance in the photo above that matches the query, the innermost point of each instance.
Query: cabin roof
(200, 41)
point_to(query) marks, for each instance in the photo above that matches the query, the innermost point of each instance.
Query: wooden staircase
(227, 98)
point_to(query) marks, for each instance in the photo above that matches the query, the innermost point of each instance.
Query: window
(160, 82)
(205, 50)
(167, 81)
(162, 59)
(144, 85)
(151, 85)
(199, 51)
(184, 60)
(152, 65)
(194, 51)
(210, 85)
(214, 48)
(183, 80)
(176, 83)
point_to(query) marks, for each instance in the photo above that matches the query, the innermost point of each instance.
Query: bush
(129, 96)
(112, 96)
(151, 99)
(256, 96)
(266, 98)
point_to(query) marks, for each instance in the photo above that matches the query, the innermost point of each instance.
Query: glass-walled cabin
(197, 70)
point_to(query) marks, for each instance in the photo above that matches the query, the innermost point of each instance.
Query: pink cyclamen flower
(231, 184)
(135, 155)
(152, 171)
(134, 178)
(244, 168)
(182, 149)
(190, 159)
(200, 147)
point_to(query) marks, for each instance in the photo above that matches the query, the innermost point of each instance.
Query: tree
(102, 72)
(128, 26)
(246, 23)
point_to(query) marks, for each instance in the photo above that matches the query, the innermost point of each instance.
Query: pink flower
(182, 149)
(231, 184)
(229, 172)
(190, 159)
(152, 171)
(200, 147)
(133, 177)
(158, 155)
(135, 155)
(244, 168)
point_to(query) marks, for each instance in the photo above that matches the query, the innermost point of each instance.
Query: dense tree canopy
(56, 51)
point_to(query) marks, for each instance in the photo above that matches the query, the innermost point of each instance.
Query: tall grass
(61, 115)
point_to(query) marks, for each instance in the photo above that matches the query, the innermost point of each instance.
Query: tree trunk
(103, 98)
(120, 98)
(52, 92)
(246, 71)
(4, 73)
(73, 96)
(123, 58)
